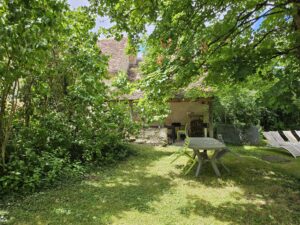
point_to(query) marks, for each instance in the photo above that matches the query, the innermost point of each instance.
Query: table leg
(200, 161)
(215, 167)
(202, 157)
(214, 164)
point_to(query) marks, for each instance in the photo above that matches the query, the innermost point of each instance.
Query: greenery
(55, 108)
(58, 117)
(148, 189)
(225, 42)
(237, 106)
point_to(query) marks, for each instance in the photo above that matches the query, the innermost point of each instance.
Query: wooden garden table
(201, 145)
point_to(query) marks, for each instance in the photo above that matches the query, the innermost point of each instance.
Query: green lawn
(147, 189)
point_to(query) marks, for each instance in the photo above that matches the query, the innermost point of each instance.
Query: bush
(52, 146)
(56, 113)
(238, 106)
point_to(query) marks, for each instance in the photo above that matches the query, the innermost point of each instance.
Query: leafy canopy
(228, 39)
(224, 41)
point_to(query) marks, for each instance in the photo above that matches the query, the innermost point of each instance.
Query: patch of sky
(258, 23)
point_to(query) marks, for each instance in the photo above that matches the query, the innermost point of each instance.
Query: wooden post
(210, 120)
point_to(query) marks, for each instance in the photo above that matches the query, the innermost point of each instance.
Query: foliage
(224, 41)
(273, 105)
(147, 110)
(152, 111)
(238, 106)
(54, 106)
(281, 98)
(122, 84)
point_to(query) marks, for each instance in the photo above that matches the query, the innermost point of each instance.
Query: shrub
(55, 110)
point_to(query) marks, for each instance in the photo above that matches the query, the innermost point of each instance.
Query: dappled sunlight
(4, 216)
(252, 185)
(124, 180)
(62, 211)
(148, 189)
(88, 88)
(236, 213)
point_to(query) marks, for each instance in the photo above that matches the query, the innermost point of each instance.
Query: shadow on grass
(275, 195)
(101, 196)
(256, 192)
(239, 213)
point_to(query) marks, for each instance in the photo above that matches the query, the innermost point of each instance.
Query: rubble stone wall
(153, 136)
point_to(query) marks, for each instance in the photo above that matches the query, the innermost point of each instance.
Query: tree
(224, 41)
(27, 32)
(54, 105)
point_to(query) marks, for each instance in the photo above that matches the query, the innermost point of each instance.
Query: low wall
(234, 135)
(153, 136)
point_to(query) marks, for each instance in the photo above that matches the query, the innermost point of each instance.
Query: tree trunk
(3, 112)
(27, 101)
(7, 121)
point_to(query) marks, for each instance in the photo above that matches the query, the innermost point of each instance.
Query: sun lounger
(275, 140)
(277, 136)
(271, 140)
(289, 135)
(298, 133)
(280, 139)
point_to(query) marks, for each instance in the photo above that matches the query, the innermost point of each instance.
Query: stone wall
(234, 135)
(153, 136)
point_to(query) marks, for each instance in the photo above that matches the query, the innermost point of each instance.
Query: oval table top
(206, 143)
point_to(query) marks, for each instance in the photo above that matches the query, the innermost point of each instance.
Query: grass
(147, 189)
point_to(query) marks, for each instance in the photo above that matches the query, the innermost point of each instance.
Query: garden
(81, 83)
(147, 189)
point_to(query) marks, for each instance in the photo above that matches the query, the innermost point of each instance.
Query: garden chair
(275, 140)
(185, 152)
(289, 135)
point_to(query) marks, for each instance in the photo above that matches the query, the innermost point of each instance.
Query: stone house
(195, 112)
